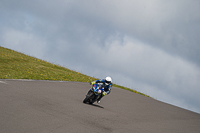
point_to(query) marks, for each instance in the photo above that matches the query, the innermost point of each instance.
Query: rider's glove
(104, 93)
(92, 82)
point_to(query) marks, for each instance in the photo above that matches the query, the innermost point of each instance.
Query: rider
(107, 82)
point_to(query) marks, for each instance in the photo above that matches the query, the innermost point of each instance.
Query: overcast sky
(151, 46)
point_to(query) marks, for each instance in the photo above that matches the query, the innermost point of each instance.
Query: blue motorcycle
(94, 93)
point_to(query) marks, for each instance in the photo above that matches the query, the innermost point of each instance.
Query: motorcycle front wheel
(88, 97)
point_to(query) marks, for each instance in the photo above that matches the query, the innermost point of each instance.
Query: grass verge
(15, 65)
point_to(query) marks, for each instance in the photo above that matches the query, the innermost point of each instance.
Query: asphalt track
(28, 106)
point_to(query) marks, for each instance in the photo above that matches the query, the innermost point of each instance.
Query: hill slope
(15, 65)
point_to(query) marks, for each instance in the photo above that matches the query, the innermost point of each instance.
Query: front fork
(90, 91)
(96, 96)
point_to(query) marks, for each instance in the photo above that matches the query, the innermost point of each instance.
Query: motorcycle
(94, 93)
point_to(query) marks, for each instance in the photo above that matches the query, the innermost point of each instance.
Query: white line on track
(40, 80)
(3, 82)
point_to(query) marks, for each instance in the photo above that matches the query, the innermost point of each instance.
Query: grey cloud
(167, 25)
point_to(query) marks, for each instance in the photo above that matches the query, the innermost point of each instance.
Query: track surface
(28, 106)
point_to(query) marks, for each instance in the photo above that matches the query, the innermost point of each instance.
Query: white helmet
(108, 80)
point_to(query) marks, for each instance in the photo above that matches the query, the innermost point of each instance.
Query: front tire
(88, 97)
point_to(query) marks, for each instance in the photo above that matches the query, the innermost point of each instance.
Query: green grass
(15, 65)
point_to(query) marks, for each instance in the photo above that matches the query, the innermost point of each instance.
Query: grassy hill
(15, 65)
